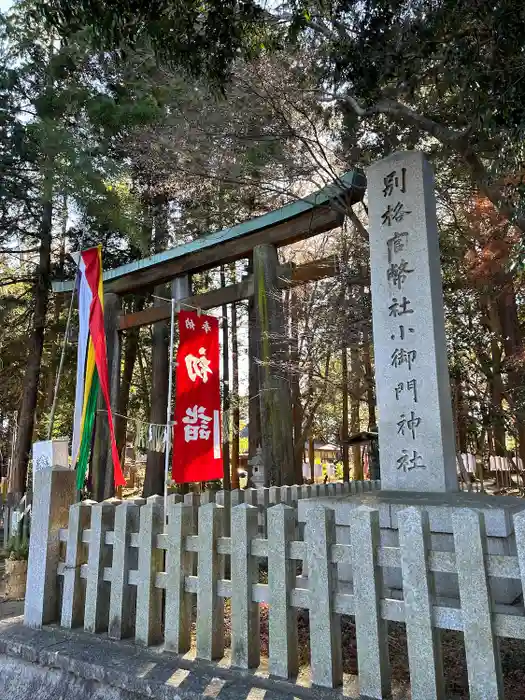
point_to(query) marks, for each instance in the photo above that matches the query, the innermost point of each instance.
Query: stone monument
(416, 432)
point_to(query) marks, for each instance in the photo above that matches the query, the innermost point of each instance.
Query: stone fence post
(55, 492)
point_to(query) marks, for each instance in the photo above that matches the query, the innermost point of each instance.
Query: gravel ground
(454, 662)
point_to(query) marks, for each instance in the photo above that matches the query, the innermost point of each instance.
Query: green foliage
(61, 118)
(202, 38)
(447, 76)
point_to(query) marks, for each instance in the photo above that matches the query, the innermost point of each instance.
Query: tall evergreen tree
(56, 134)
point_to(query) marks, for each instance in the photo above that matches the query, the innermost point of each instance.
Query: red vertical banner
(197, 452)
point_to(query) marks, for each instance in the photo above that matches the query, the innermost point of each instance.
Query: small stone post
(55, 491)
(210, 607)
(325, 624)
(423, 639)
(123, 598)
(244, 573)
(281, 581)
(96, 614)
(479, 634)
(73, 585)
(263, 504)
(179, 565)
(371, 629)
(149, 598)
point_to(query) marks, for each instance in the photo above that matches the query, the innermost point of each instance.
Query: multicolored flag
(197, 454)
(92, 366)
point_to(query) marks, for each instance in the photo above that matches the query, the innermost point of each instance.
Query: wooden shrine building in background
(270, 419)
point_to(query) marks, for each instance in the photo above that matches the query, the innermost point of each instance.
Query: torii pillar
(274, 389)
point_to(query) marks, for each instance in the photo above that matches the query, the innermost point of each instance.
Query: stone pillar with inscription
(416, 432)
(416, 435)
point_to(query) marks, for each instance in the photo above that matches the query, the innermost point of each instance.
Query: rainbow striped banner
(92, 366)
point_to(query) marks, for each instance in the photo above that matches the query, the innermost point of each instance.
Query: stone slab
(66, 664)
(497, 510)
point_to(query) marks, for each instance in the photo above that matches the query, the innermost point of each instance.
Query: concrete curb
(139, 672)
(56, 664)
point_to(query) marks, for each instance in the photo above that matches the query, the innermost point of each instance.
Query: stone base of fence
(54, 663)
(499, 536)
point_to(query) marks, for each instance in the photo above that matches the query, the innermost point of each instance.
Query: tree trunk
(513, 344)
(36, 344)
(369, 381)
(254, 409)
(460, 411)
(355, 425)
(297, 408)
(131, 345)
(154, 479)
(344, 427)
(311, 458)
(53, 337)
(225, 392)
(496, 390)
(145, 388)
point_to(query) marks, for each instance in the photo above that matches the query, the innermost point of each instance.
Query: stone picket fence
(263, 498)
(119, 569)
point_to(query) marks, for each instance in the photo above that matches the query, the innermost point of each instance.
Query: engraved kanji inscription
(403, 332)
(397, 244)
(399, 308)
(396, 180)
(401, 357)
(397, 273)
(408, 424)
(410, 460)
(394, 213)
(411, 386)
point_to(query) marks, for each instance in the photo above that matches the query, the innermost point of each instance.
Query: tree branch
(456, 140)
(358, 225)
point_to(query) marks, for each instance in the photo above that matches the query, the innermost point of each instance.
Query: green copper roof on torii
(353, 181)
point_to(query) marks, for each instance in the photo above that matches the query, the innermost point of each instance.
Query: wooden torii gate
(270, 419)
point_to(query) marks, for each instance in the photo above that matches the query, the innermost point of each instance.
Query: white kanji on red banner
(198, 366)
(196, 424)
(197, 454)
